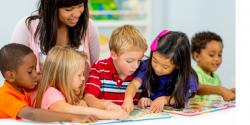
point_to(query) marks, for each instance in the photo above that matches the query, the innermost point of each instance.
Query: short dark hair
(11, 56)
(200, 40)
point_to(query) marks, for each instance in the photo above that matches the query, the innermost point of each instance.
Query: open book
(197, 107)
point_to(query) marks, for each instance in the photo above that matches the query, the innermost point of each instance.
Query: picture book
(137, 115)
(197, 107)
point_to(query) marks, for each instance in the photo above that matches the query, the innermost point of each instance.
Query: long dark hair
(174, 45)
(48, 23)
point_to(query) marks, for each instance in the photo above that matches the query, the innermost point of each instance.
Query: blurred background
(150, 17)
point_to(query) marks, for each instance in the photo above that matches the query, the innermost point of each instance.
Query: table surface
(227, 116)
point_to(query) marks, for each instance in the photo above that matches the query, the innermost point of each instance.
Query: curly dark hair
(201, 39)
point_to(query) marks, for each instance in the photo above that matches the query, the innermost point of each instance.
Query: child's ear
(10, 76)
(113, 55)
(196, 56)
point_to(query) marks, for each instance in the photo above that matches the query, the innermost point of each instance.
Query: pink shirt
(23, 35)
(50, 96)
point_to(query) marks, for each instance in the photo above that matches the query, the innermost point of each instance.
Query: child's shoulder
(7, 89)
(10, 94)
(103, 63)
(144, 64)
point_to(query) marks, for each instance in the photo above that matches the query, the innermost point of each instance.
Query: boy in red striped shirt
(108, 78)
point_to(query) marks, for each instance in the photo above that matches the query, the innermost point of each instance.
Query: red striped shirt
(104, 82)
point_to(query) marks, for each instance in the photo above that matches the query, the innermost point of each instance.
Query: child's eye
(80, 75)
(165, 67)
(68, 9)
(220, 55)
(211, 55)
(81, 5)
(129, 61)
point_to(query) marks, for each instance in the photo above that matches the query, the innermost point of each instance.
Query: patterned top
(104, 82)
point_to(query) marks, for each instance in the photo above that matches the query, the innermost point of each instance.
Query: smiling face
(162, 65)
(69, 16)
(127, 63)
(210, 58)
(26, 75)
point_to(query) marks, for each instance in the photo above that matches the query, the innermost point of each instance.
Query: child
(108, 78)
(18, 66)
(62, 85)
(206, 50)
(166, 75)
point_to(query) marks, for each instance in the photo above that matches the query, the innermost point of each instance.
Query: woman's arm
(94, 42)
(21, 34)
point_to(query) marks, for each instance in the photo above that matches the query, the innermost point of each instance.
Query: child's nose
(217, 58)
(37, 76)
(158, 68)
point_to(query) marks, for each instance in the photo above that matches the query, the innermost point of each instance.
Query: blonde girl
(62, 85)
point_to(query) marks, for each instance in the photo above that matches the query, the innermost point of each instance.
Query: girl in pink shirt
(59, 22)
(61, 87)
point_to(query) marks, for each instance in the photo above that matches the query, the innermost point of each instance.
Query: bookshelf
(110, 14)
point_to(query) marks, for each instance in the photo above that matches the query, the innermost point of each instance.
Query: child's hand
(172, 101)
(158, 104)
(117, 111)
(227, 94)
(233, 90)
(119, 115)
(82, 103)
(128, 105)
(144, 102)
(85, 119)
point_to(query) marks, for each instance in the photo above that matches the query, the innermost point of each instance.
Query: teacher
(59, 23)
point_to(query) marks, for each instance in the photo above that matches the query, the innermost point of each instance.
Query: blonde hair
(126, 38)
(58, 70)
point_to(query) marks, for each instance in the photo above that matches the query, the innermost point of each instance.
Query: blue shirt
(166, 87)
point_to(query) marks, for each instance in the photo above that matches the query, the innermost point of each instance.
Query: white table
(223, 117)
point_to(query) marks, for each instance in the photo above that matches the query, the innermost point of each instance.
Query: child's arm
(103, 104)
(227, 94)
(47, 116)
(92, 90)
(62, 106)
(128, 104)
(92, 101)
(82, 103)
